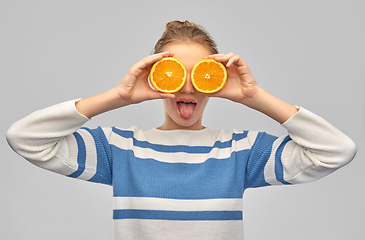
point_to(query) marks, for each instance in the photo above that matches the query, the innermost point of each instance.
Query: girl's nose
(188, 86)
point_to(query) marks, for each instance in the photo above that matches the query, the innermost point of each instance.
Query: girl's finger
(237, 60)
(156, 57)
(213, 56)
(165, 54)
(160, 95)
(225, 58)
(148, 61)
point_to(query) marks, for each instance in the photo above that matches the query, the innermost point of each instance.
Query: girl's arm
(271, 106)
(314, 147)
(51, 138)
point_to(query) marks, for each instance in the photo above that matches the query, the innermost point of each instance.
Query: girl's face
(185, 111)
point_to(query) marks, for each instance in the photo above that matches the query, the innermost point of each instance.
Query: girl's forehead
(188, 53)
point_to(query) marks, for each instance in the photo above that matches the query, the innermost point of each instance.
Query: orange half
(208, 76)
(168, 75)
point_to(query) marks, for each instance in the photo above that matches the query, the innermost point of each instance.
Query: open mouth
(186, 107)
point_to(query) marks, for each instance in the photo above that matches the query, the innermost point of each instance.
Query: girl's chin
(190, 123)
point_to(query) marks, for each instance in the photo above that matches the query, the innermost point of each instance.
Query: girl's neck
(174, 126)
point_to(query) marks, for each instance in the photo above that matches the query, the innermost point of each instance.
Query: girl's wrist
(251, 97)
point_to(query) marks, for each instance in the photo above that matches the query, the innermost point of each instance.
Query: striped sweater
(179, 184)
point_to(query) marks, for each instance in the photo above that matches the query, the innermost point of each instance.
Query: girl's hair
(177, 31)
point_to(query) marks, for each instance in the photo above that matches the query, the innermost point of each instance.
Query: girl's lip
(187, 100)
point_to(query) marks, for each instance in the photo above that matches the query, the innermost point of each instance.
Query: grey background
(309, 53)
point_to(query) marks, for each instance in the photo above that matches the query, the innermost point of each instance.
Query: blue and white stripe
(188, 153)
(87, 157)
(177, 209)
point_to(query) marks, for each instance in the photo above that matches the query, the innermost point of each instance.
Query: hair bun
(178, 24)
(178, 31)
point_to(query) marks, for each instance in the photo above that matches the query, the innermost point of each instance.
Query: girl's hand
(135, 88)
(241, 85)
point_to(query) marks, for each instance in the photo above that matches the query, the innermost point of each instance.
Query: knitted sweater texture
(179, 184)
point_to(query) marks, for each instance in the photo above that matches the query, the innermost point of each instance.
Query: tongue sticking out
(186, 110)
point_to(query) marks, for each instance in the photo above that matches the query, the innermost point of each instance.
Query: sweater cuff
(75, 109)
(299, 110)
(305, 120)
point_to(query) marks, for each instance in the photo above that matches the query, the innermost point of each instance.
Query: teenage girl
(181, 180)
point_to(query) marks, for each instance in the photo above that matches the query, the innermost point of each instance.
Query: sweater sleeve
(53, 139)
(317, 148)
(312, 149)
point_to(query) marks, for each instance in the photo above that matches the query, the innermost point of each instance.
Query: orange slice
(168, 75)
(208, 76)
